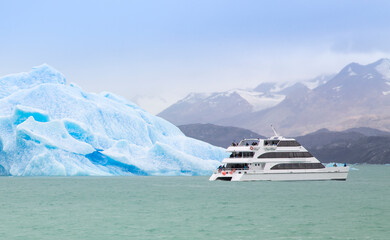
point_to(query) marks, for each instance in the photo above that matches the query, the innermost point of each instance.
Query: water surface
(194, 208)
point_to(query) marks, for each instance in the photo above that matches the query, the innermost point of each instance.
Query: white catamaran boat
(274, 159)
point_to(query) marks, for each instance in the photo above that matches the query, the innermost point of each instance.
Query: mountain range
(357, 96)
(355, 145)
(219, 106)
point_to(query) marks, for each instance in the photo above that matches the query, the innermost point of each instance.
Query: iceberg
(50, 128)
(332, 164)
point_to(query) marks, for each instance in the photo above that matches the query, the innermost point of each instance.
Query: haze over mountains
(358, 96)
(217, 135)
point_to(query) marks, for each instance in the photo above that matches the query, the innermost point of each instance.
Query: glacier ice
(48, 127)
(332, 164)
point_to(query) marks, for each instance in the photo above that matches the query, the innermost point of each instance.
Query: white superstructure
(274, 159)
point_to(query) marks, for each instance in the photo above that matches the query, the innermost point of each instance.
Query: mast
(273, 129)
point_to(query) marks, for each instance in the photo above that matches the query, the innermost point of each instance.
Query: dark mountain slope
(358, 145)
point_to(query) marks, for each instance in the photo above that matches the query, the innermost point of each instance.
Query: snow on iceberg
(50, 128)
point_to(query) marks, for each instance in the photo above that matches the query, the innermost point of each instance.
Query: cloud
(369, 41)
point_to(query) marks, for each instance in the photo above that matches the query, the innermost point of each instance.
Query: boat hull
(330, 173)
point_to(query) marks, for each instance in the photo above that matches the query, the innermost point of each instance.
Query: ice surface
(351, 167)
(39, 75)
(52, 134)
(333, 163)
(50, 128)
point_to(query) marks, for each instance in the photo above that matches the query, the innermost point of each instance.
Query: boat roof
(270, 138)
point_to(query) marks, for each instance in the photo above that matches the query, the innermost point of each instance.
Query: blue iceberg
(50, 128)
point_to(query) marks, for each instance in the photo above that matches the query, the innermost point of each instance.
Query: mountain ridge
(357, 96)
(217, 106)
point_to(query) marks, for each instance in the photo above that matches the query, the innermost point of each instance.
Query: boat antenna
(273, 129)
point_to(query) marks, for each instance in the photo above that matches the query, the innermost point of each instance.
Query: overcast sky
(157, 52)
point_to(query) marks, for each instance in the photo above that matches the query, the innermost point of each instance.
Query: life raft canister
(251, 147)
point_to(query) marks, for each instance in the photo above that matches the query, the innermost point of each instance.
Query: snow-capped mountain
(217, 107)
(358, 96)
(50, 128)
(318, 81)
(205, 108)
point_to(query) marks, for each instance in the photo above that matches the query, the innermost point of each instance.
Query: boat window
(236, 166)
(248, 154)
(298, 166)
(286, 155)
(271, 142)
(289, 144)
(242, 154)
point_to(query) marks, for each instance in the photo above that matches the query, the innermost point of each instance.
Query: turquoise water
(194, 208)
